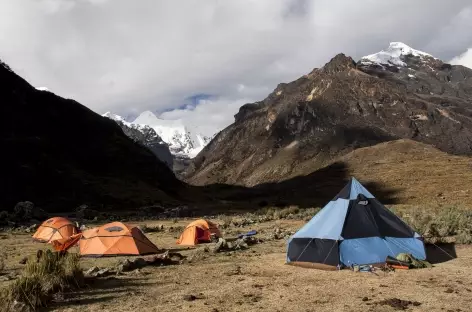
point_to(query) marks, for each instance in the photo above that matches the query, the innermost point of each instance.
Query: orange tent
(115, 239)
(198, 231)
(53, 229)
(64, 244)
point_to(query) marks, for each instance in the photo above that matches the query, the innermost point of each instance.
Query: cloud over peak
(122, 57)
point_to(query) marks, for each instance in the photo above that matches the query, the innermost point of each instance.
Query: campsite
(236, 155)
(252, 277)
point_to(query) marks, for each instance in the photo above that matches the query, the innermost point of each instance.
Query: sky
(200, 60)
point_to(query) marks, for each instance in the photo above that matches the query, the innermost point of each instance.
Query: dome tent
(198, 231)
(54, 229)
(115, 239)
(353, 229)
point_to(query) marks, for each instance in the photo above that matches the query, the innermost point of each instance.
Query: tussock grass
(435, 224)
(41, 278)
(290, 212)
(267, 214)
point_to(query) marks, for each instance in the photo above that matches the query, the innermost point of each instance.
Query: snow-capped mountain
(183, 140)
(144, 135)
(394, 55)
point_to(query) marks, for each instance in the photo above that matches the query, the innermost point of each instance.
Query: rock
(31, 228)
(189, 297)
(5, 278)
(220, 245)
(240, 244)
(23, 261)
(139, 263)
(104, 272)
(91, 271)
(124, 266)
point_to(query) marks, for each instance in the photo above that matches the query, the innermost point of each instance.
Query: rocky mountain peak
(339, 63)
(397, 93)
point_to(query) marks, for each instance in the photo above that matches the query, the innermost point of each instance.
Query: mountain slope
(401, 172)
(59, 154)
(308, 123)
(146, 136)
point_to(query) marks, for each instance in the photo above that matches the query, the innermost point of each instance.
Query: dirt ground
(257, 279)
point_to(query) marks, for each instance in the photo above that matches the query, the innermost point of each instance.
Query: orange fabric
(64, 244)
(198, 231)
(114, 239)
(54, 229)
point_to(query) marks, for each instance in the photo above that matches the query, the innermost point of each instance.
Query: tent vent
(114, 229)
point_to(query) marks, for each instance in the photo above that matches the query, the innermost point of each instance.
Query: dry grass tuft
(42, 278)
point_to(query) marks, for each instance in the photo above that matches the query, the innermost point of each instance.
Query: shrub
(43, 276)
(444, 222)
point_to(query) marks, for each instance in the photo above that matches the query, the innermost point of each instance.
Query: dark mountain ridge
(59, 154)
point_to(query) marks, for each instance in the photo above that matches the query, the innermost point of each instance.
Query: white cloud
(210, 116)
(465, 59)
(126, 58)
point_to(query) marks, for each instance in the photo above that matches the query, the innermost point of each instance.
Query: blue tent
(353, 229)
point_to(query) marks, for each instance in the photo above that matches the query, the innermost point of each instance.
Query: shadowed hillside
(59, 154)
(396, 172)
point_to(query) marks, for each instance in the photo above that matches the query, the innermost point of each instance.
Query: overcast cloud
(129, 56)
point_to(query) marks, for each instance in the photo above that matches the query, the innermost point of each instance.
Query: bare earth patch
(257, 279)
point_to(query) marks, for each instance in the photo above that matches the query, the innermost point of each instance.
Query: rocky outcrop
(306, 124)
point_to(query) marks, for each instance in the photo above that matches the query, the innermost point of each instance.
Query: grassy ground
(255, 280)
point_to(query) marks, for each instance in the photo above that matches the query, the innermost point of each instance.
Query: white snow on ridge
(392, 56)
(115, 117)
(42, 89)
(183, 140)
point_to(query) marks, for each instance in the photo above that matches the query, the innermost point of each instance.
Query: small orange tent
(115, 239)
(198, 231)
(53, 229)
